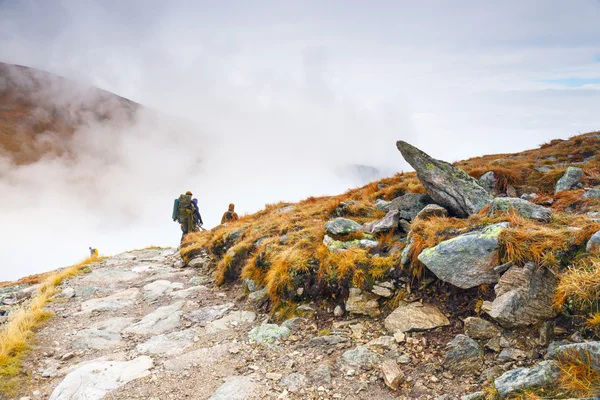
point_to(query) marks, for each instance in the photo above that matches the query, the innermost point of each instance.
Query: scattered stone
(67, 293)
(233, 319)
(258, 298)
(383, 342)
(546, 332)
(511, 354)
(593, 245)
(481, 329)
(209, 313)
(360, 302)
(522, 207)
(464, 356)
(467, 260)
(236, 388)
(415, 316)
(494, 344)
(67, 356)
(381, 204)
(274, 376)
(392, 375)
(571, 177)
(448, 185)
(169, 344)
(338, 311)
(267, 334)
(361, 357)
(409, 205)
(400, 337)
(92, 381)
(431, 211)
(197, 280)
(524, 296)
(321, 376)
(342, 227)
(542, 376)
(474, 396)
(382, 291)
(386, 224)
(294, 324)
(589, 352)
(294, 382)
(337, 245)
(251, 285)
(114, 302)
(163, 319)
(488, 181)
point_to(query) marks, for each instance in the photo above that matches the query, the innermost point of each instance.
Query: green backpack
(185, 203)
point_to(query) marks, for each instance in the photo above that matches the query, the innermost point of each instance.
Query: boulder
(488, 181)
(481, 329)
(593, 193)
(342, 227)
(415, 316)
(360, 302)
(593, 245)
(381, 204)
(267, 334)
(464, 356)
(386, 224)
(392, 375)
(523, 207)
(409, 205)
(589, 352)
(467, 260)
(570, 178)
(430, 211)
(361, 357)
(524, 296)
(542, 376)
(446, 184)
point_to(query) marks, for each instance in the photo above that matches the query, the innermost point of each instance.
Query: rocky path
(138, 327)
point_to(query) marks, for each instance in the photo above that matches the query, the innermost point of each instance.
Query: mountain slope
(39, 112)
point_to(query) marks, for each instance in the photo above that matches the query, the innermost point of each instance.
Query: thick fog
(259, 102)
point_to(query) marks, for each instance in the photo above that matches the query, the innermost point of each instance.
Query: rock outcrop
(523, 207)
(410, 317)
(446, 184)
(570, 178)
(409, 205)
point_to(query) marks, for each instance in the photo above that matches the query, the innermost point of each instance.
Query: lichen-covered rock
(361, 357)
(523, 207)
(593, 193)
(360, 302)
(431, 211)
(481, 329)
(342, 227)
(464, 356)
(570, 178)
(589, 352)
(409, 205)
(542, 376)
(524, 296)
(338, 245)
(593, 245)
(467, 260)
(415, 316)
(386, 224)
(488, 181)
(381, 204)
(445, 183)
(268, 334)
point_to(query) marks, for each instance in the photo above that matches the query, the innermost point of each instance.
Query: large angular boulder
(431, 211)
(570, 178)
(409, 204)
(386, 224)
(593, 245)
(467, 260)
(524, 296)
(523, 207)
(588, 352)
(445, 183)
(464, 356)
(415, 316)
(542, 376)
(488, 181)
(342, 226)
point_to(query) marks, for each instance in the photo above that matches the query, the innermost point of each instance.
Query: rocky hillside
(39, 112)
(470, 280)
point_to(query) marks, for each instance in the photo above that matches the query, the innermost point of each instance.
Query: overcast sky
(295, 88)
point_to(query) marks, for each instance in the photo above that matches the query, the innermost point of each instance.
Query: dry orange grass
(577, 376)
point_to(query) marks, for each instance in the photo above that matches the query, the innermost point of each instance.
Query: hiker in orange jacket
(230, 215)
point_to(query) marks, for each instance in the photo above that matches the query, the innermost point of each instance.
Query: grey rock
(209, 313)
(197, 280)
(201, 358)
(96, 339)
(153, 291)
(237, 388)
(169, 344)
(523, 207)
(294, 382)
(251, 285)
(200, 261)
(338, 311)
(92, 381)
(589, 352)
(328, 340)
(294, 324)
(321, 376)
(338, 245)
(431, 211)
(163, 319)
(283, 240)
(524, 296)
(405, 258)
(546, 333)
(305, 310)
(267, 334)
(386, 224)
(342, 227)
(382, 291)
(542, 376)
(511, 354)
(593, 245)
(446, 184)
(481, 329)
(409, 205)
(258, 298)
(488, 181)
(593, 193)
(383, 342)
(392, 375)
(235, 318)
(467, 260)
(113, 302)
(361, 357)
(474, 396)
(543, 169)
(415, 316)
(360, 302)
(494, 344)
(234, 236)
(570, 178)
(464, 356)
(67, 293)
(381, 204)
(529, 196)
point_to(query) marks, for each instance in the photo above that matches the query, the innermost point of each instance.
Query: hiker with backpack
(183, 212)
(197, 217)
(230, 215)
